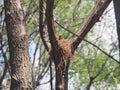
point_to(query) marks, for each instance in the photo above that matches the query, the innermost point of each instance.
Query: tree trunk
(21, 78)
(62, 76)
(61, 56)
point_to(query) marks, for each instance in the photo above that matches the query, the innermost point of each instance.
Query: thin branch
(43, 72)
(32, 33)
(41, 53)
(2, 50)
(34, 57)
(46, 82)
(105, 77)
(51, 74)
(92, 78)
(75, 10)
(3, 75)
(93, 17)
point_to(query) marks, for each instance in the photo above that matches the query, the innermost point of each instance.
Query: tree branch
(3, 74)
(51, 74)
(42, 24)
(50, 23)
(43, 72)
(93, 17)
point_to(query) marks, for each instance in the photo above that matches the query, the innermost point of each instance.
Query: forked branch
(93, 17)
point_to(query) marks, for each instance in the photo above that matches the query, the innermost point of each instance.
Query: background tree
(19, 68)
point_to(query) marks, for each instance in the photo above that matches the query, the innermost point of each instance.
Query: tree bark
(62, 77)
(61, 57)
(21, 77)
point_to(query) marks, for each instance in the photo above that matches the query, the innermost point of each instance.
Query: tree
(20, 70)
(60, 49)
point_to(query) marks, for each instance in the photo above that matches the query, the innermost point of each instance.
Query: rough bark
(61, 59)
(21, 78)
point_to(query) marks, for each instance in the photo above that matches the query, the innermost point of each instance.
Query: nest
(65, 45)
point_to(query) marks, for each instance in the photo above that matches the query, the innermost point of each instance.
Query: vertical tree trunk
(21, 78)
(61, 56)
(62, 77)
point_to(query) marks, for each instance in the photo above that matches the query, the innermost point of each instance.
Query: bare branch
(51, 74)
(3, 75)
(2, 49)
(35, 52)
(50, 23)
(42, 24)
(93, 17)
(43, 72)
